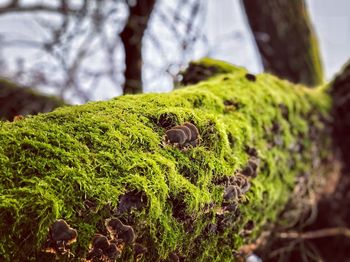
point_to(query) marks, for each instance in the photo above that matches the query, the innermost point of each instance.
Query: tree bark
(340, 91)
(285, 39)
(237, 145)
(16, 100)
(131, 36)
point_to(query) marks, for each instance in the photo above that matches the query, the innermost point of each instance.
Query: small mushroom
(61, 231)
(251, 151)
(250, 77)
(231, 207)
(194, 131)
(95, 254)
(186, 130)
(18, 118)
(211, 228)
(232, 192)
(173, 257)
(253, 164)
(183, 135)
(251, 168)
(103, 250)
(120, 231)
(113, 252)
(139, 251)
(175, 136)
(60, 236)
(100, 242)
(242, 182)
(248, 171)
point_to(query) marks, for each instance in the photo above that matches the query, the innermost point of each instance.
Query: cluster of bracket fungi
(235, 187)
(183, 136)
(110, 248)
(103, 248)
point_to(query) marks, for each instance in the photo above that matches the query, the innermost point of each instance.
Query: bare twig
(326, 232)
(35, 8)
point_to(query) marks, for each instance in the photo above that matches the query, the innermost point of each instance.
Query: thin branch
(326, 232)
(35, 8)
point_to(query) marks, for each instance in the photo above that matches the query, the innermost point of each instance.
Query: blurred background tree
(91, 50)
(285, 38)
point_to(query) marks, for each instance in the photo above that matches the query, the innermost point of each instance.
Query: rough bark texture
(340, 92)
(16, 100)
(333, 208)
(285, 39)
(131, 37)
(197, 201)
(326, 221)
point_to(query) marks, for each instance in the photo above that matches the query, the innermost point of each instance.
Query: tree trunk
(197, 191)
(336, 201)
(285, 39)
(131, 37)
(16, 100)
(340, 92)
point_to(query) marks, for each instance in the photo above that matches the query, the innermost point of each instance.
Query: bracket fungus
(139, 251)
(250, 77)
(173, 257)
(232, 192)
(120, 231)
(175, 136)
(17, 118)
(183, 135)
(103, 249)
(250, 170)
(61, 235)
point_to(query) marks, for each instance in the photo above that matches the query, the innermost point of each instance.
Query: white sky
(225, 27)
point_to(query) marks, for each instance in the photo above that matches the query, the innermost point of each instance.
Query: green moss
(221, 66)
(51, 164)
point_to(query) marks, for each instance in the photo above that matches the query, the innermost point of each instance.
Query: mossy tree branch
(86, 164)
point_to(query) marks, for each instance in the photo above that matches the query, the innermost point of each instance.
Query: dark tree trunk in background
(16, 100)
(131, 37)
(285, 39)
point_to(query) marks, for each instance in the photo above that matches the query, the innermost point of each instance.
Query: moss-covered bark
(88, 163)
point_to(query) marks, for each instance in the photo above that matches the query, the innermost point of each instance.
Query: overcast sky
(224, 25)
(331, 19)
